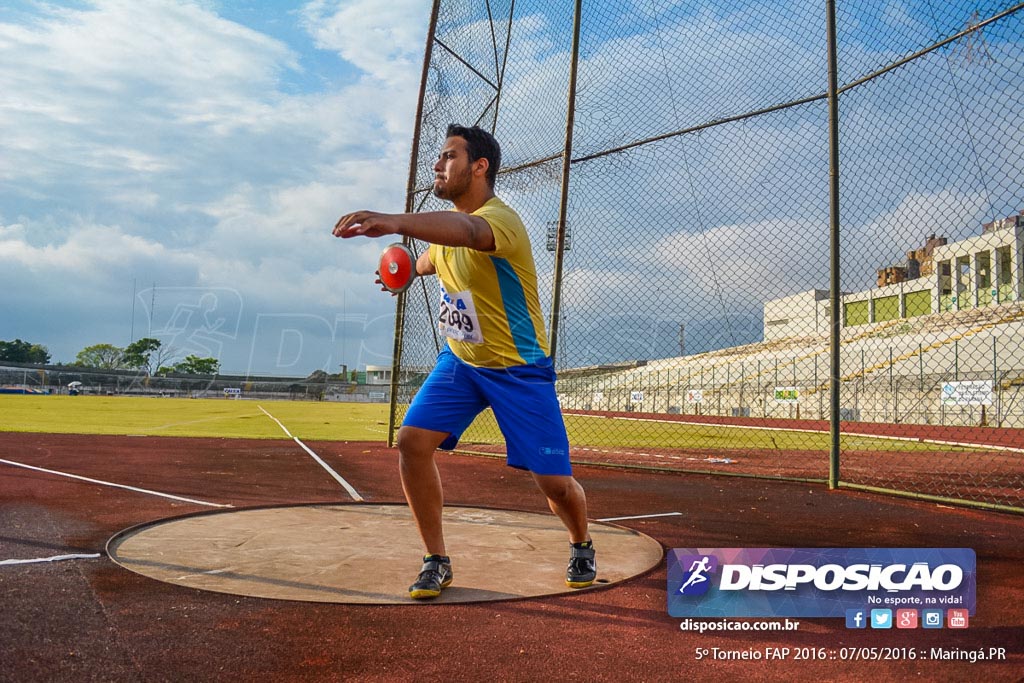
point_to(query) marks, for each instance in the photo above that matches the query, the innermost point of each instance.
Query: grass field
(307, 420)
(329, 421)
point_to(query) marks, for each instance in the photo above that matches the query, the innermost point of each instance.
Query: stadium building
(939, 341)
(985, 270)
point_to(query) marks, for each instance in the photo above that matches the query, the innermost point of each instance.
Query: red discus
(397, 267)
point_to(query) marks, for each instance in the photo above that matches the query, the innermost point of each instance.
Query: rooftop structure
(985, 270)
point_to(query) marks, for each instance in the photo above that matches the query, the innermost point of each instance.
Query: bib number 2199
(457, 318)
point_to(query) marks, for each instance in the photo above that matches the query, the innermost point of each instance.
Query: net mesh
(693, 328)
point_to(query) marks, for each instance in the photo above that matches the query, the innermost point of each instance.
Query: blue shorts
(523, 400)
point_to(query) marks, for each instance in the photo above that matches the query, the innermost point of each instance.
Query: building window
(887, 308)
(918, 303)
(1004, 281)
(945, 287)
(984, 272)
(963, 297)
(856, 313)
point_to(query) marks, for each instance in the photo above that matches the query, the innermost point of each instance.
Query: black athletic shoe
(435, 575)
(582, 566)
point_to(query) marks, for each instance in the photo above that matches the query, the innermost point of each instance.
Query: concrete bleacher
(893, 370)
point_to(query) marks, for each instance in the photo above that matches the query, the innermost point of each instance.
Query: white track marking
(337, 477)
(119, 486)
(55, 558)
(660, 514)
(643, 455)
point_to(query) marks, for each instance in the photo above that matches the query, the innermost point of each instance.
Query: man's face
(453, 172)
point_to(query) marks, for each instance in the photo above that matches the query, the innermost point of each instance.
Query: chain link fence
(693, 316)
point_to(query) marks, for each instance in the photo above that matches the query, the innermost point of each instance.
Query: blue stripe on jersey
(519, 321)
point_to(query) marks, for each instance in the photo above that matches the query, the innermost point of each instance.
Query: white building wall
(800, 315)
(970, 249)
(378, 374)
(807, 313)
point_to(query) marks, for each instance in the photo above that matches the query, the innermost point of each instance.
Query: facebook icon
(856, 618)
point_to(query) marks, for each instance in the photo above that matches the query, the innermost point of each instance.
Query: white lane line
(660, 514)
(55, 558)
(119, 486)
(642, 455)
(337, 477)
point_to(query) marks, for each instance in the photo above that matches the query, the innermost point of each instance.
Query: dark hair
(481, 145)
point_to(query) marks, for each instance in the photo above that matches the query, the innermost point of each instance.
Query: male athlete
(496, 354)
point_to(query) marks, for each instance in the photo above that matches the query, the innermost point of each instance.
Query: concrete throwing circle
(358, 553)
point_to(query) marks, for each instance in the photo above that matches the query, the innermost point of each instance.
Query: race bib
(457, 318)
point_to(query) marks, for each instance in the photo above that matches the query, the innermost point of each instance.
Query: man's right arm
(424, 266)
(447, 228)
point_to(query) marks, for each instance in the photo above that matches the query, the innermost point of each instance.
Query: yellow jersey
(490, 310)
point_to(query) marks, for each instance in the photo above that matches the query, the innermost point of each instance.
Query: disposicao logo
(817, 582)
(697, 579)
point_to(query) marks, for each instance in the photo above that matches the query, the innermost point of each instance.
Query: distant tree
(163, 355)
(147, 354)
(194, 365)
(19, 351)
(136, 354)
(37, 353)
(317, 376)
(103, 356)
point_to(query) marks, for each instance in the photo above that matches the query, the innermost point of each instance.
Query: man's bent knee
(417, 442)
(559, 488)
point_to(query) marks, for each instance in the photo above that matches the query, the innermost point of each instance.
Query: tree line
(19, 351)
(148, 355)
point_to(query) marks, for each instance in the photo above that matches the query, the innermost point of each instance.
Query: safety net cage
(779, 239)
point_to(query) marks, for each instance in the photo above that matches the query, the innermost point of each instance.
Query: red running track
(88, 619)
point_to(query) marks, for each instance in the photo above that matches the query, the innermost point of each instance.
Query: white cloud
(14, 233)
(82, 283)
(160, 143)
(383, 39)
(750, 263)
(88, 252)
(89, 87)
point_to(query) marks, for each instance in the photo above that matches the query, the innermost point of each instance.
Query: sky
(173, 168)
(698, 231)
(197, 154)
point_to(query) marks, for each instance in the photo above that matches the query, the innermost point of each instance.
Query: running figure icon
(697, 573)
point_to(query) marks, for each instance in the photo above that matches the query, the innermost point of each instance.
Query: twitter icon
(881, 618)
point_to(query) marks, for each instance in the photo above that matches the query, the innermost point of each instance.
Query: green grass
(329, 421)
(307, 420)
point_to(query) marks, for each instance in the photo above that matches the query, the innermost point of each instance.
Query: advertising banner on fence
(787, 394)
(694, 395)
(817, 582)
(972, 393)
